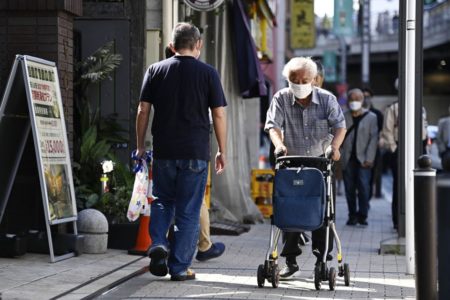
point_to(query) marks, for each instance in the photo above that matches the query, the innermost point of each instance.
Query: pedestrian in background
(180, 89)
(443, 136)
(376, 178)
(299, 121)
(358, 155)
(389, 140)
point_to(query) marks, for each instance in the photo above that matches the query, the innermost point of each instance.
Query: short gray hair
(184, 36)
(355, 91)
(299, 63)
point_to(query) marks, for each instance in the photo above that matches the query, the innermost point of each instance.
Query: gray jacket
(367, 138)
(443, 137)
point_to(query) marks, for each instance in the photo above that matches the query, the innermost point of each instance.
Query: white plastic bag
(139, 200)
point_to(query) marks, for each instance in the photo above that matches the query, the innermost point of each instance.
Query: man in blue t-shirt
(182, 90)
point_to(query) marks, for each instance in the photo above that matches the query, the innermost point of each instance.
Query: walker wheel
(275, 276)
(332, 279)
(346, 274)
(260, 276)
(317, 280)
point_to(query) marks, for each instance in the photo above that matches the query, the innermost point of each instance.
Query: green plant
(114, 204)
(95, 137)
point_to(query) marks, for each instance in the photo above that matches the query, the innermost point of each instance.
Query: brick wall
(41, 28)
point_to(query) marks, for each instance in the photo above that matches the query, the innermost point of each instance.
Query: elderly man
(299, 121)
(358, 156)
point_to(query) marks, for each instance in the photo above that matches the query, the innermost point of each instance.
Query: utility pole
(408, 126)
(343, 46)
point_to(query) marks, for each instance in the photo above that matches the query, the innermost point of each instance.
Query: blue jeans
(357, 179)
(178, 190)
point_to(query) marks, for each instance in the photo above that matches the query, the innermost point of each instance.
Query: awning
(250, 75)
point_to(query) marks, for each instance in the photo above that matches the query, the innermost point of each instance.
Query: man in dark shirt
(181, 89)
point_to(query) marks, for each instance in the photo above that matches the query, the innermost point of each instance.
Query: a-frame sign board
(32, 103)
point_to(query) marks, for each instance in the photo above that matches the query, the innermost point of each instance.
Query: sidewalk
(232, 276)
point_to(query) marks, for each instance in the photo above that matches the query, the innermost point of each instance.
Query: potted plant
(95, 137)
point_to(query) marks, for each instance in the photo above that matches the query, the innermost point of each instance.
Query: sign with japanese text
(303, 29)
(31, 118)
(330, 65)
(50, 134)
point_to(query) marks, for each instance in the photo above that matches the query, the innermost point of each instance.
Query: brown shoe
(188, 275)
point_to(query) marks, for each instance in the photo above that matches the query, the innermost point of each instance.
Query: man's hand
(220, 163)
(280, 150)
(367, 164)
(140, 152)
(336, 153)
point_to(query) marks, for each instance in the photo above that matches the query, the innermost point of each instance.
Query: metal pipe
(343, 45)
(280, 45)
(167, 16)
(365, 43)
(409, 134)
(425, 229)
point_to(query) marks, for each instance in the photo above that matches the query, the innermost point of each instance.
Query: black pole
(419, 81)
(425, 229)
(401, 116)
(443, 205)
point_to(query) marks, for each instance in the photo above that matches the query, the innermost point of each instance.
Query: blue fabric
(299, 199)
(181, 89)
(178, 190)
(357, 184)
(251, 78)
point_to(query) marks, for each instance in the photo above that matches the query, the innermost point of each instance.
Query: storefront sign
(51, 135)
(203, 5)
(330, 64)
(32, 103)
(303, 29)
(343, 18)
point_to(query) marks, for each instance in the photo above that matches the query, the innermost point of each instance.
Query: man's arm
(387, 139)
(277, 139)
(143, 114)
(220, 128)
(339, 135)
(371, 149)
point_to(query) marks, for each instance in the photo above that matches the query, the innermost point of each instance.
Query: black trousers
(394, 169)
(291, 247)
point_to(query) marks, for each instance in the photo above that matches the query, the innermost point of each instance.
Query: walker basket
(299, 199)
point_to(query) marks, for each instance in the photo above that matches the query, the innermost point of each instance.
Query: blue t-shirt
(181, 89)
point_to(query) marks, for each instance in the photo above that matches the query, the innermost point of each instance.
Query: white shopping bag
(139, 200)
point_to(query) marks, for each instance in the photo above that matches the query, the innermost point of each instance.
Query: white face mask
(355, 105)
(300, 91)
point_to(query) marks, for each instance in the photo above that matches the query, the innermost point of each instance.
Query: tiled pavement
(232, 276)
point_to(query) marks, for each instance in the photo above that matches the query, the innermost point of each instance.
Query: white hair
(356, 92)
(299, 63)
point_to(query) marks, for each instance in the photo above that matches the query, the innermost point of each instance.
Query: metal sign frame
(55, 172)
